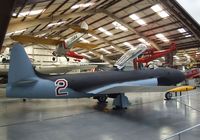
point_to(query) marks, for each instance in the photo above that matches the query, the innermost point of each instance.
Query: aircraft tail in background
(70, 41)
(21, 69)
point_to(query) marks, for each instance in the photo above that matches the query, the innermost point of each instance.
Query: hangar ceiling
(118, 24)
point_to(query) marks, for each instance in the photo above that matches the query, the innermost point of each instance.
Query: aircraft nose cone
(171, 77)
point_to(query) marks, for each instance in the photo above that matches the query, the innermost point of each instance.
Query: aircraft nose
(171, 77)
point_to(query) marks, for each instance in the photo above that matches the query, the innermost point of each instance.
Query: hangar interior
(114, 28)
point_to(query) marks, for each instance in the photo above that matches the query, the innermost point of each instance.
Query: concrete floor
(148, 118)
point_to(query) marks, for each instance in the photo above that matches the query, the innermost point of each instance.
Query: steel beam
(34, 22)
(130, 28)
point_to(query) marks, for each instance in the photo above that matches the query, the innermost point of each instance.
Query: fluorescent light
(86, 55)
(176, 57)
(141, 22)
(90, 52)
(143, 41)
(119, 26)
(157, 8)
(112, 47)
(182, 30)
(30, 13)
(105, 31)
(16, 32)
(128, 45)
(41, 35)
(93, 36)
(188, 35)
(134, 17)
(163, 58)
(137, 19)
(56, 23)
(20, 31)
(187, 56)
(106, 51)
(163, 14)
(162, 37)
(84, 40)
(82, 5)
(8, 34)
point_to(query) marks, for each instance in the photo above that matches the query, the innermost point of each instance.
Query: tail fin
(130, 54)
(20, 68)
(84, 25)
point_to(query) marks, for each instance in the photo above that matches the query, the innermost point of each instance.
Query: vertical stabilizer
(84, 25)
(20, 65)
(130, 54)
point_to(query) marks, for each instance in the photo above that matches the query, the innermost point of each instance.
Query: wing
(86, 46)
(81, 30)
(31, 39)
(149, 85)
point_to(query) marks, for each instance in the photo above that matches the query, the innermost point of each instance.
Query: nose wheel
(168, 96)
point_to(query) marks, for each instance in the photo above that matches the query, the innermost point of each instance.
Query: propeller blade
(30, 39)
(86, 46)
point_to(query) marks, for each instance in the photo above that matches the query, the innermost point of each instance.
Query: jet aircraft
(25, 82)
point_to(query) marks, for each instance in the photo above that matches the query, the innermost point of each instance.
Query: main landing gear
(101, 99)
(121, 102)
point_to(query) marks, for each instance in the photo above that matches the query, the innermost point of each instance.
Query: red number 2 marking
(61, 85)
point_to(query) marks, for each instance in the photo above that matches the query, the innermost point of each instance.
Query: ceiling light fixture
(159, 10)
(143, 41)
(56, 23)
(84, 40)
(106, 51)
(128, 45)
(105, 31)
(162, 37)
(119, 26)
(82, 5)
(137, 19)
(86, 55)
(188, 35)
(30, 13)
(182, 30)
(16, 32)
(93, 36)
(163, 14)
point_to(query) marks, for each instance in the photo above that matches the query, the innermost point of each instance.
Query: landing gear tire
(24, 100)
(168, 96)
(102, 99)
